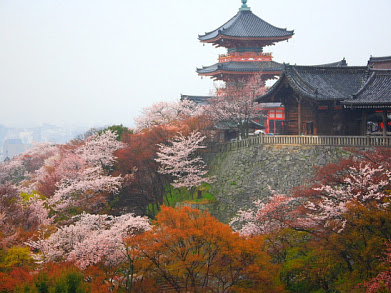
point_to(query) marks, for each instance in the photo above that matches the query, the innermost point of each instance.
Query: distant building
(13, 147)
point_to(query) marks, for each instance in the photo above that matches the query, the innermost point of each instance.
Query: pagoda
(244, 35)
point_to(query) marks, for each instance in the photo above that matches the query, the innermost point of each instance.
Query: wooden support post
(364, 118)
(385, 122)
(299, 116)
(315, 119)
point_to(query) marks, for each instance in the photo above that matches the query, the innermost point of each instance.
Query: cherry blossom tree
(11, 214)
(265, 217)
(37, 212)
(22, 166)
(325, 209)
(167, 112)
(180, 160)
(99, 149)
(20, 217)
(83, 172)
(363, 185)
(234, 105)
(90, 240)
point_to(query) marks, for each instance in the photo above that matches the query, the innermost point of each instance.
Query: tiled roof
(379, 59)
(341, 63)
(267, 66)
(321, 82)
(245, 24)
(375, 92)
(199, 100)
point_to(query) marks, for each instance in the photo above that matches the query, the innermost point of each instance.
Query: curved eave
(264, 39)
(246, 25)
(298, 89)
(366, 84)
(268, 67)
(292, 77)
(269, 93)
(217, 72)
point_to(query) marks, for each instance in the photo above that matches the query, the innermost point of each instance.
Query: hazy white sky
(99, 62)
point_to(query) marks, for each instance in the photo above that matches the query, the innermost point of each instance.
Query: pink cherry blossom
(234, 105)
(166, 112)
(90, 240)
(179, 160)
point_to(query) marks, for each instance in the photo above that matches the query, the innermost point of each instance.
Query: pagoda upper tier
(244, 36)
(246, 29)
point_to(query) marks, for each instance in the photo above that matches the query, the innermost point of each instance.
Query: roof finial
(244, 5)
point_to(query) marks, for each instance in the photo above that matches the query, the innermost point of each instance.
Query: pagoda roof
(320, 83)
(376, 92)
(241, 67)
(246, 25)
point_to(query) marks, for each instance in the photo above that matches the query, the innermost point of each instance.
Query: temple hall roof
(199, 100)
(245, 24)
(232, 66)
(319, 82)
(379, 59)
(380, 62)
(341, 63)
(375, 92)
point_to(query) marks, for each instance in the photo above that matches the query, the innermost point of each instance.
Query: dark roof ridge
(341, 68)
(383, 58)
(341, 63)
(321, 82)
(364, 86)
(298, 76)
(380, 70)
(271, 89)
(218, 29)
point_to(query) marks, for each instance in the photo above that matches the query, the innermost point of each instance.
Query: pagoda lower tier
(234, 70)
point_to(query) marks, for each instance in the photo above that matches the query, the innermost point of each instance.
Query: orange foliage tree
(190, 251)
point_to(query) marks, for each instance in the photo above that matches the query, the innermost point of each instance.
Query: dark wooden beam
(299, 116)
(364, 120)
(385, 122)
(315, 117)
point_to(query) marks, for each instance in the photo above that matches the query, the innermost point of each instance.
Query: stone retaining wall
(245, 174)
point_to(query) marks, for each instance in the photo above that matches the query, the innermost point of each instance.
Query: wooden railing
(245, 56)
(349, 141)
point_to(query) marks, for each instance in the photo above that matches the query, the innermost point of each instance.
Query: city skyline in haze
(96, 63)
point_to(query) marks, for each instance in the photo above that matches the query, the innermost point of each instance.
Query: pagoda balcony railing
(245, 57)
(308, 140)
